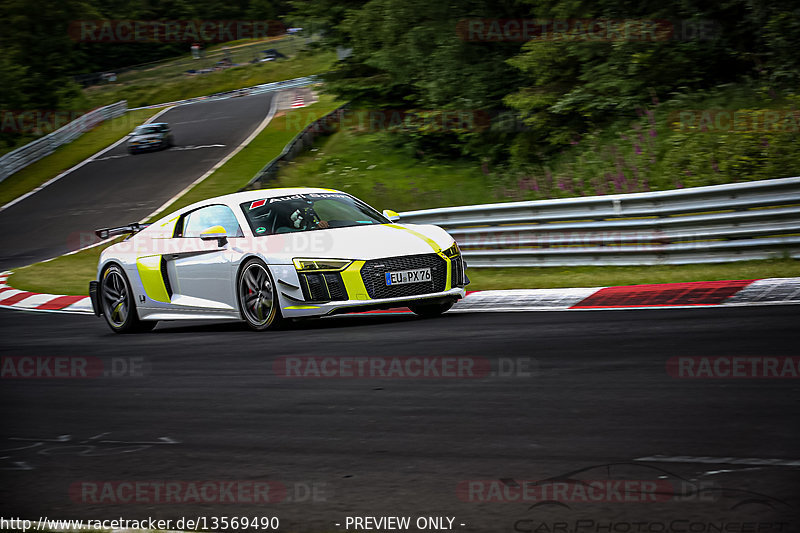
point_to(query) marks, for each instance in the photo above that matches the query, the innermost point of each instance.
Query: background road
(118, 188)
(210, 407)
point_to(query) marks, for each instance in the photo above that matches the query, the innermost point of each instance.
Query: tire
(116, 299)
(258, 297)
(431, 310)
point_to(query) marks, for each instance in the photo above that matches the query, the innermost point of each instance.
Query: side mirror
(215, 232)
(391, 215)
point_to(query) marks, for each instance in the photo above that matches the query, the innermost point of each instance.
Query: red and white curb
(730, 293)
(33, 301)
(727, 293)
(298, 100)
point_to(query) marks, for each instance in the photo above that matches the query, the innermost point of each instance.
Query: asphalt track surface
(118, 188)
(211, 407)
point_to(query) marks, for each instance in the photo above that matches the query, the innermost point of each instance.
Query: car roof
(257, 194)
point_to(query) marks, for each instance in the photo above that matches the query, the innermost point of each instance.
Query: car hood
(359, 242)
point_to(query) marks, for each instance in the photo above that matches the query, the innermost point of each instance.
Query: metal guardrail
(298, 144)
(719, 223)
(36, 150)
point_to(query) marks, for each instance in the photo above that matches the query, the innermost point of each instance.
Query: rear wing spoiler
(134, 227)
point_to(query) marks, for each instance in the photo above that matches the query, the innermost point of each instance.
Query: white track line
(79, 165)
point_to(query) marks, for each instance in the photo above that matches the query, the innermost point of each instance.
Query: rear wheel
(431, 310)
(258, 298)
(119, 309)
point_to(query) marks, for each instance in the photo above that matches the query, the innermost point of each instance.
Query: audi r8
(267, 256)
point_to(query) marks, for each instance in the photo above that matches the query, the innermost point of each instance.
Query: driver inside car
(305, 218)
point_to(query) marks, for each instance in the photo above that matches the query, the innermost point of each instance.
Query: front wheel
(431, 310)
(258, 297)
(116, 297)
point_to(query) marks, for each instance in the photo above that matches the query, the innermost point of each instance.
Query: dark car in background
(156, 136)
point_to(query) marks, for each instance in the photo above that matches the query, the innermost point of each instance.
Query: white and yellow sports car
(270, 255)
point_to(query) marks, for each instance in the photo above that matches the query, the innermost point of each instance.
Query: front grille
(457, 268)
(323, 286)
(373, 273)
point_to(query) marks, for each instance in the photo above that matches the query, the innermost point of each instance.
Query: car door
(201, 270)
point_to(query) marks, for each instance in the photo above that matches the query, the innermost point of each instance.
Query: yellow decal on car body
(353, 283)
(149, 268)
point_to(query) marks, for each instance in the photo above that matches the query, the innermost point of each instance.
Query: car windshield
(146, 130)
(306, 212)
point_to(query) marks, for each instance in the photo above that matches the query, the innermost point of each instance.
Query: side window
(198, 221)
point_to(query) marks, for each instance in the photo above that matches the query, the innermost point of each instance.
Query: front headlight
(453, 251)
(306, 265)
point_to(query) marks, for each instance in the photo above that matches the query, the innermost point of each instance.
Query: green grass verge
(608, 276)
(71, 154)
(363, 165)
(71, 274)
(168, 86)
(68, 274)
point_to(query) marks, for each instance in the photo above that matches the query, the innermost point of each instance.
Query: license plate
(418, 275)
